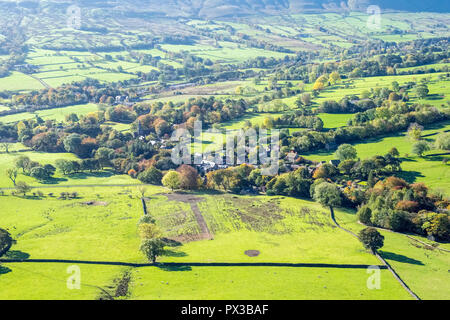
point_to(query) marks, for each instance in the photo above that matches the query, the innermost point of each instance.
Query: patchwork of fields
(222, 245)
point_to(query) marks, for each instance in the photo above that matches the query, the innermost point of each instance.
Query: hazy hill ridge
(224, 8)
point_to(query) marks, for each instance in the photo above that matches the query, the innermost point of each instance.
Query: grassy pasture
(56, 229)
(58, 114)
(423, 269)
(100, 178)
(19, 82)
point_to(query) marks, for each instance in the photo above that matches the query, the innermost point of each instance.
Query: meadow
(50, 228)
(96, 178)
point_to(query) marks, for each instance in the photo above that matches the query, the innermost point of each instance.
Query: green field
(58, 114)
(100, 178)
(303, 233)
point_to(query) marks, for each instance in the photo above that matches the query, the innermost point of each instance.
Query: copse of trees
(395, 204)
(309, 141)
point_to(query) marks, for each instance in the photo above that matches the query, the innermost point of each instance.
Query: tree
(318, 86)
(415, 131)
(334, 77)
(422, 91)
(443, 141)
(23, 188)
(151, 176)
(5, 146)
(371, 239)
(39, 173)
(327, 194)
(22, 162)
(371, 180)
(419, 148)
(346, 152)
(439, 226)
(149, 231)
(394, 152)
(72, 143)
(152, 248)
(306, 99)
(395, 86)
(104, 156)
(189, 177)
(6, 242)
(63, 165)
(12, 175)
(172, 180)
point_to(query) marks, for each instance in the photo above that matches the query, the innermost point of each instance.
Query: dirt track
(205, 233)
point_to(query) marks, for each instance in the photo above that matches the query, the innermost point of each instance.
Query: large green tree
(172, 180)
(327, 194)
(6, 241)
(346, 152)
(371, 239)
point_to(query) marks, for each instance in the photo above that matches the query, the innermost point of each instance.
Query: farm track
(386, 264)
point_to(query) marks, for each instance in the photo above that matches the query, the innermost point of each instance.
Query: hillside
(224, 8)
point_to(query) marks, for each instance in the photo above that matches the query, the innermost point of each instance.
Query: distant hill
(224, 8)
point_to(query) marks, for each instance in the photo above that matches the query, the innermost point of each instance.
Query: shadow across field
(410, 176)
(400, 258)
(17, 255)
(4, 270)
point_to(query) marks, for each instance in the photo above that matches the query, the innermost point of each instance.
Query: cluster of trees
(89, 90)
(394, 204)
(298, 120)
(382, 125)
(30, 168)
(346, 106)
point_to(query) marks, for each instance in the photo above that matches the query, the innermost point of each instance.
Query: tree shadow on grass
(17, 255)
(4, 270)
(408, 160)
(435, 97)
(54, 181)
(410, 176)
(85, 175)
(400, 258)
(177, 254)
(175, 268)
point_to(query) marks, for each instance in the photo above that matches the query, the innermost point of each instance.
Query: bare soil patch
(252, 253)
(96, 203)
(205, 233)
